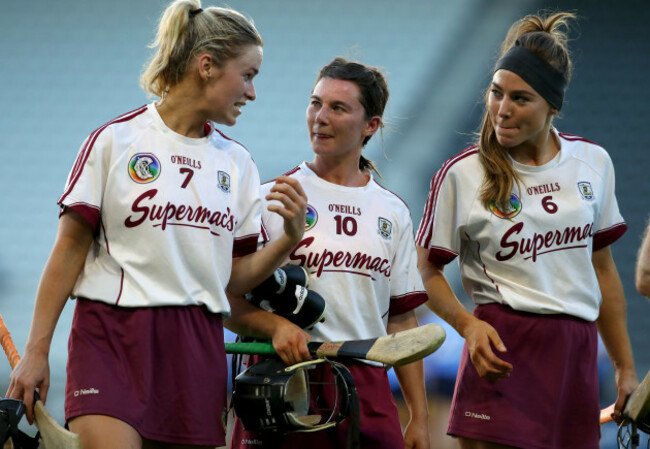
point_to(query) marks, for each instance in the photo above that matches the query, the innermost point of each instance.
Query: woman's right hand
(291, 205)
(481, 339)
(31, 373)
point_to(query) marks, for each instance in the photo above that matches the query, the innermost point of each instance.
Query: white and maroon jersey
(170, 212)
(359, 250)
(535, 256)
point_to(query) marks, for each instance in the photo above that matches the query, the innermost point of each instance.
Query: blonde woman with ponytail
(157, 243)
(531, 213)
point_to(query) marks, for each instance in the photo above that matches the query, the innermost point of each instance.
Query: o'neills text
(176, 214)
(342, 260)
(344, 209)
(543, 189)
(554, 240)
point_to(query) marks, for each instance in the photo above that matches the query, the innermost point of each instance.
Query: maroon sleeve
(89, 213)
(608, 236)
(245, 245)
(404, 303)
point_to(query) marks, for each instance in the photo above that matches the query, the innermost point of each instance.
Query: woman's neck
(339, 172)
(537, 153)
(178, 110)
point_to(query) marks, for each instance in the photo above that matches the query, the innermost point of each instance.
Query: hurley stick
(395, 349)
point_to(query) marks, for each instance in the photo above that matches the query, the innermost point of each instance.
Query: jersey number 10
(345, 225)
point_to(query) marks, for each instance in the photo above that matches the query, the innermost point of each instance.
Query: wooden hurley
(395, 349)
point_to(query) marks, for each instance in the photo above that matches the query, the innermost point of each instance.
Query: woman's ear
(206, 66)
(373, 125)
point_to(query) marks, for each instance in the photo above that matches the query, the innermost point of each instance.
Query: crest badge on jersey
(224, 181)
(512, 208)
(144, 168)
(311, 218)
(585, 190)
(385, 228)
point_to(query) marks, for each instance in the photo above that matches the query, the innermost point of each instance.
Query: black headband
(195, 12)
(546, 81)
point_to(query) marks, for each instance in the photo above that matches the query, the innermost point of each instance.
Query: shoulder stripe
(425, 231)
(226, 137)
(573, 138)
(90, 142)
(392, 193)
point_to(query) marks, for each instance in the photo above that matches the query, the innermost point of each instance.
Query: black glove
(285, 293)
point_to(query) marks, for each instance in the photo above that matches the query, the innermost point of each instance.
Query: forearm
(612, 321)
(58, 279)
(251, 270)
(289, 341)
(411, 376)
(643, 265)
(246, 319)
(442, 300)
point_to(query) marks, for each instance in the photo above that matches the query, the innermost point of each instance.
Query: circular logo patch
(144, 168)
(311, 218)
(513, 208)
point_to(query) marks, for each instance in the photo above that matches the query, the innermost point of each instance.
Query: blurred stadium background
(69, 66)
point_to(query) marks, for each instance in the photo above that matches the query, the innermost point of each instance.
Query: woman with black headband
(531, 212)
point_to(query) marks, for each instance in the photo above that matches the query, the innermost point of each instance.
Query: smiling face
(231, 86)
(337, 121)
(520, 116)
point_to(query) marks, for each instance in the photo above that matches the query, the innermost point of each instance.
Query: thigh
(104, 432)
(150, 444)
(468, 443)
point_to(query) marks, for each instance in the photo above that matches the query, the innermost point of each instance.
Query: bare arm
(411, 381)
(249, 271)
(643, 265)
(480, 336)
(289, 341)
(59, 276)
(612, 325)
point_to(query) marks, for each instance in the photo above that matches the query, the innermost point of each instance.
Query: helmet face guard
(272, 397)
(11, 412)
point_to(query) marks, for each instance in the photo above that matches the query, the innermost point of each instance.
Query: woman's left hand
(416, 435)
(626, 382)
(293, 207)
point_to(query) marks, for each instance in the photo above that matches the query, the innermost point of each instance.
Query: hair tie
(546, 81)
(195, 12)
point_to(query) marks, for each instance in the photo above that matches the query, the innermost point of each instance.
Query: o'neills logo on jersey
(176, 214)
(344, 261)
(144, 168)
(538, 244)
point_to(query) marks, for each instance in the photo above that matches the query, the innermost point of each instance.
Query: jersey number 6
(548, 204)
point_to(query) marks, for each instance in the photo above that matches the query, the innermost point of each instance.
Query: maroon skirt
(550, 399)
(162, 370)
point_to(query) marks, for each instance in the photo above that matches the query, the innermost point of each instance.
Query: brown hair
(372, 86)
(186, 30)
(546, 36)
